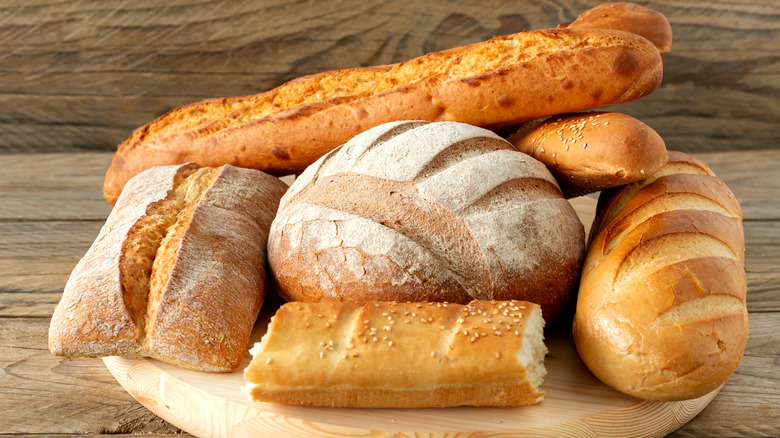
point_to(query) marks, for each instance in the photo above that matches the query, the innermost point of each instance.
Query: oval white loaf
(661, 311)
(419, 211)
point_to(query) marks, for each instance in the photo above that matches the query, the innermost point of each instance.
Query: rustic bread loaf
(496, 83)
(177, 272)
(418, 211)
(661, 311)
(628, 17)
(589, 152)
(400, 355)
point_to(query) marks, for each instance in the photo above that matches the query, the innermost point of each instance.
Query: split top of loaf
(419, 211)
(176, 273)
(387, 354)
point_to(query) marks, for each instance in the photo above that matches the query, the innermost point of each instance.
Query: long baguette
(177, 272)
(661, 311)
(401, 355)
(499, 82)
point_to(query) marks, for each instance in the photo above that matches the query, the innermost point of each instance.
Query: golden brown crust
(589, 152)
(387, 354)
(661, 311)
(628, 17)
(154, 282)
(496, 83)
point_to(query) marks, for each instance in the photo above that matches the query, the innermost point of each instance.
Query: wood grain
(79, 393)
(82, 75)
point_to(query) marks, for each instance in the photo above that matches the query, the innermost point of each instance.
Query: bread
(496, 83)
(176, 273)
(661, 311)
(419, 211)
(589, 152)
(400, 355)
(628, 17)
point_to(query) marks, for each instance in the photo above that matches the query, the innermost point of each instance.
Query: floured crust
(387, 354)
(500, 82)
(661, 311)
(418, 211)
(589, 152)
(177, 273)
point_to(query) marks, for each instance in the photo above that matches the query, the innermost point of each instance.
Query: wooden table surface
(77, 77)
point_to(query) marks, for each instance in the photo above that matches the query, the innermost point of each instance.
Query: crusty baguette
(500, 82)
(400, 355)
(419, 211)
(589, 152)
(628, 17)
(661, 311)
(177, 272)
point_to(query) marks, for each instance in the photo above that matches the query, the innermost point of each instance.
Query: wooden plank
(84, 398)
(80, 76)
(53, 187)
(44, 394)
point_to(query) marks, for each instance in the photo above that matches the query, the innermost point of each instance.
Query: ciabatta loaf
(589, 152)
(628, 17)
(400, 355)
(177, 272)
(661, 311)
(496, 83)
(419, 211)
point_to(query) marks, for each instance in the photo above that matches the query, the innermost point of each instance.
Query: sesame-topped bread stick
(387, 354)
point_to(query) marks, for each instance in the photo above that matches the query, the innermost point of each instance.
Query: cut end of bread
(531, 355)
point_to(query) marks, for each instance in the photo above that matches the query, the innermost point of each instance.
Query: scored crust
(417, 211)
(661, 311)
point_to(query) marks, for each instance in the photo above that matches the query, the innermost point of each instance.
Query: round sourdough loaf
(419, 211)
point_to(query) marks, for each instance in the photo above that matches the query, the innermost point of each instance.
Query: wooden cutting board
(576, 403)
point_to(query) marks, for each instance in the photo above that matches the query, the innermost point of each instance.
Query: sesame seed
(356, 355)
(375, 339)
(327, 325)
(441, 327)
(406, 321)
(386, 328)
(319, 315)
(307, 324)
(268, 361)
(385, 314)
(322, 354)
(365, 340)
(517, 333)
(433, 354)
(350, 346)
(461, 320)
(473, 338)
(498, 355)
(465, 333)
(322, 344)
(498, 333)
(390, 344)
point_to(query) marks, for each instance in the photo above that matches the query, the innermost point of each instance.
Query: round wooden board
(576, 403)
